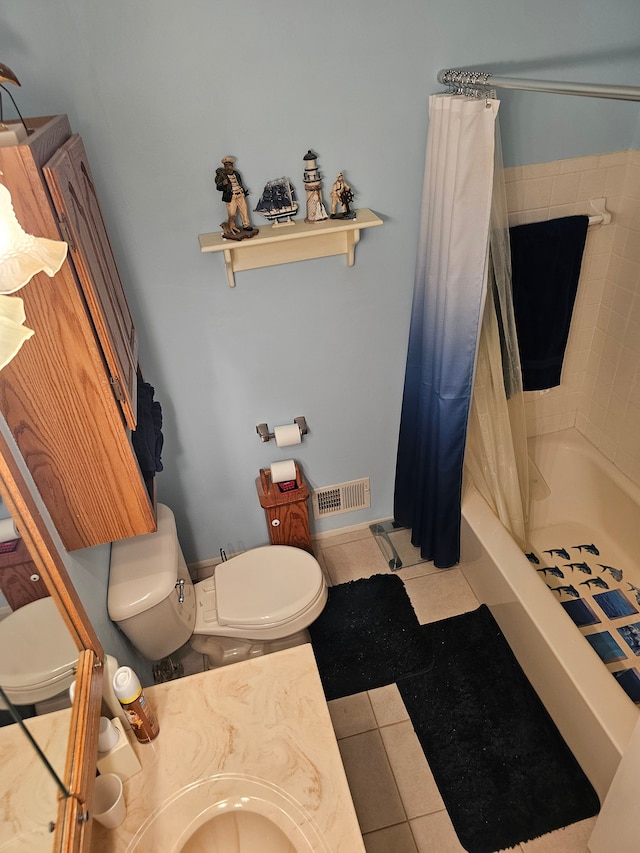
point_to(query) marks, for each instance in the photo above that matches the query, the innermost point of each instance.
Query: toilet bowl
(255, 603)
(38, 658)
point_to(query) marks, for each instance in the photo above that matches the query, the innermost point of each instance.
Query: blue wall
(161, 90)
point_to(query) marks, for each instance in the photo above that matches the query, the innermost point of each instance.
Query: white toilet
(258, 602)
(38, 658)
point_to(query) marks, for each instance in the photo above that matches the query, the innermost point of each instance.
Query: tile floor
(396, 799)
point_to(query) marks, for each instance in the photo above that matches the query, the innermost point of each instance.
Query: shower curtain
(449, 294)
(496, 458)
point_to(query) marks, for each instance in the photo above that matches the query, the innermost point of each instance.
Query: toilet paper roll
(287, 434)
(8, 530)
(283, 471)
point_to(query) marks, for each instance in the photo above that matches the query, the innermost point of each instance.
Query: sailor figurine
(229, 182)
(342, 194)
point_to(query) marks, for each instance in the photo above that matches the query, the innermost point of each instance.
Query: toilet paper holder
(265, 435)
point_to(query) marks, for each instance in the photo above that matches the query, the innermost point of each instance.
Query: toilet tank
(144, 591)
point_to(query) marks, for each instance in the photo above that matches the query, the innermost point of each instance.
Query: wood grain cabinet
(69, 396)
(286, 510)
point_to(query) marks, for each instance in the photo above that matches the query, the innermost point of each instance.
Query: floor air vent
(345, 497)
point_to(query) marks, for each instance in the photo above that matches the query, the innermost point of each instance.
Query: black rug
(368, 636)
(503, 770)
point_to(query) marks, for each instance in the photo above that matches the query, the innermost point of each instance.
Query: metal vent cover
(344, 497)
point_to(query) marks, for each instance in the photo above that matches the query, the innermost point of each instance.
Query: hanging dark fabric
(546, 258)
(147, 438)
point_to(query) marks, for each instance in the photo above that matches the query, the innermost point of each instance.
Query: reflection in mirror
(31, 793)
(38, 662)
(33, 807)
(14, 714)
(38, 658)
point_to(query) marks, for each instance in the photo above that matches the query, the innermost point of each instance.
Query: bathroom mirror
(25, 643)
(72, 829)
(15, 706)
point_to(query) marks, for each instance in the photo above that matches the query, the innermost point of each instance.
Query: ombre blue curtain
(448, 300)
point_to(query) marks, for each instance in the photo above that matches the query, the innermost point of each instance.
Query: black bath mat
(368, 636)
(504, 772)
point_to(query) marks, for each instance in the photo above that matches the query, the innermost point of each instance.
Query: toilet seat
(38, 658)
(260, 601)
(266, 587)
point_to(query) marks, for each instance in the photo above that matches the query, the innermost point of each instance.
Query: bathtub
(578, 497)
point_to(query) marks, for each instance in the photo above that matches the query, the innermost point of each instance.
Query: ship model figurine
(278, 202)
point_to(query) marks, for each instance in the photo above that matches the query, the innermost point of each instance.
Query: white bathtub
(586, 499)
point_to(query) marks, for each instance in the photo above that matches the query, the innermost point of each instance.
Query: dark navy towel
(546, 258)
(147, 438)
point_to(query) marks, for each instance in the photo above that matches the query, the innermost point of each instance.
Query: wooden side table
(286, 508)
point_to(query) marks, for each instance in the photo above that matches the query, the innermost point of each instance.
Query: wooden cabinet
(286, 510)
(69, 179)
(20, 582)
(69, 395)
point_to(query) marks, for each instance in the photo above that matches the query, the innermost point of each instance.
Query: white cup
(108, 801)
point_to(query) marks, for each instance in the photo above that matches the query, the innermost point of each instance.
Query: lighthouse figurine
(316, 210)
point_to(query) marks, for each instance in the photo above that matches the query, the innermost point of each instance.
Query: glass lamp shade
(12, 331)
(23, 255)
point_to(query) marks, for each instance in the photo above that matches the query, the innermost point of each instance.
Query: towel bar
(598, 213)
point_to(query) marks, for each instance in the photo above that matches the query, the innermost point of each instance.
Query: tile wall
(600, 389)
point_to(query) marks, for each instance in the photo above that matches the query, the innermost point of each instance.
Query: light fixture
(7, 75)
(21, 256)
(10, 134)
(12, 331)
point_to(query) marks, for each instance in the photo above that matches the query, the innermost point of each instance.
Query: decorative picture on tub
(581, 612)
(597, 597)
(606, 647)
(631, 635)
(629, 680)
(614, 604)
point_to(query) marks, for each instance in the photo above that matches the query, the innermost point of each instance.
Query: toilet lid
(35, 646)
(143, 569)
(266, 585)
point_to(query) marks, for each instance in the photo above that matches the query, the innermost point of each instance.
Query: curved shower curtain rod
(483, 80)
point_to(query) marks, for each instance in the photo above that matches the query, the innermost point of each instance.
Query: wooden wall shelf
(283, 244)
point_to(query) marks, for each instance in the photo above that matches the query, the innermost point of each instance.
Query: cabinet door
(74, 196)
(56, 395)
(20, 582)
(21, 585)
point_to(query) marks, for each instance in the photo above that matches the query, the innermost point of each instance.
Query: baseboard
(204, 568)
(342, 531)
(204, 564)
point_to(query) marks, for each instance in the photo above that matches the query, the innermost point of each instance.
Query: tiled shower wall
(600, 389)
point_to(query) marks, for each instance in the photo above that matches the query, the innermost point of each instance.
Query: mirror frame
(73, 824)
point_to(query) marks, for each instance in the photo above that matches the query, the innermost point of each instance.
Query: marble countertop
(265, 717)
(29, 795)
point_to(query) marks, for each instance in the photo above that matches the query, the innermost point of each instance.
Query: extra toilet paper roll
(8, 530)
(287, 434)
(283, 471)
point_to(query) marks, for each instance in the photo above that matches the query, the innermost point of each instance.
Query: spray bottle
(127, 687)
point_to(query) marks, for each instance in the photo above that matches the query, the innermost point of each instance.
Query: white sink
(229, 813)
